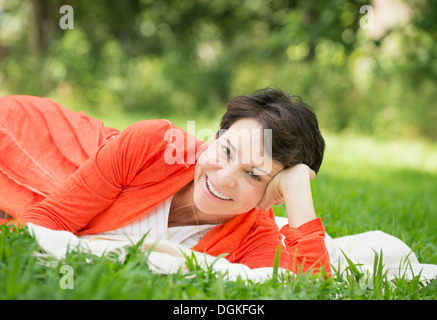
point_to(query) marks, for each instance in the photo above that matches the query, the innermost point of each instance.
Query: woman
(66, 171)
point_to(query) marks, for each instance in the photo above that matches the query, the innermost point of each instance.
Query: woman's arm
(304, 249)
(292, 186)
(304, 234)
(96, 184)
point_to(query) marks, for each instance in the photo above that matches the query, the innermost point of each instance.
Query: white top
(155, 223)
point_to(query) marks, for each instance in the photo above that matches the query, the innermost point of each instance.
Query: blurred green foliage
(189, 57)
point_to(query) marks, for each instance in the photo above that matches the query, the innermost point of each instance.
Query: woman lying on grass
(67, 171)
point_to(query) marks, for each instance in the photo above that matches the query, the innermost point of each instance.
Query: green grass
(364, 184)
(368, 184)
(22, 276)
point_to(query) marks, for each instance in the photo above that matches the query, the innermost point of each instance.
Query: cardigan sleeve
(304, 247)
(95, 185)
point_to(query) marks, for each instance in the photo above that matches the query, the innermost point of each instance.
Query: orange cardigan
(125, 176)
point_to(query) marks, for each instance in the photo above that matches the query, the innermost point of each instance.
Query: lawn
(364, 184)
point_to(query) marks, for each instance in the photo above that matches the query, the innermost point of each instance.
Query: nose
(227, 175)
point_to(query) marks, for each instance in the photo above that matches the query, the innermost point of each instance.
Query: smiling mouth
(216, 193)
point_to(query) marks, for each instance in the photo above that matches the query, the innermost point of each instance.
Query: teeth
(215, 192)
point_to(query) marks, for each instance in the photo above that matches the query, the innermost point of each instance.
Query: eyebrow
(253, 167)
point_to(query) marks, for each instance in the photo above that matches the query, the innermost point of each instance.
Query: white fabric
(397, 258)
(155, 225)
(166, 257)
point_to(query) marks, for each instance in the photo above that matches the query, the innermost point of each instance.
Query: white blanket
(165, 257)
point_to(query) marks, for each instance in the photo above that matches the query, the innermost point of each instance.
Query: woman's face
(233, 172)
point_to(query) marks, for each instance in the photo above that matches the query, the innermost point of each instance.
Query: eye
(254, 176)
(226, 151)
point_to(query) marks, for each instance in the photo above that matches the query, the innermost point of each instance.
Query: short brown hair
(296, 137)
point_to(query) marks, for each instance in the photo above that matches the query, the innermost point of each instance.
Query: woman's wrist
(296, 189)
(295, 177)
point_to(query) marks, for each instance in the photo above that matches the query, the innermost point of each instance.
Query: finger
(268, 201)
(277, 203)
(265, 203)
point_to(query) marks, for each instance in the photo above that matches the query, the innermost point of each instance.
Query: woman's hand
(292, 186)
